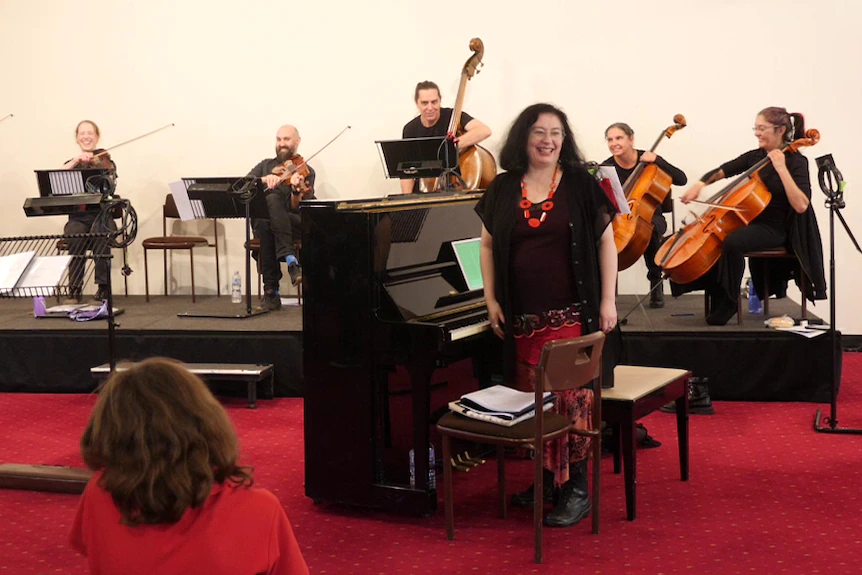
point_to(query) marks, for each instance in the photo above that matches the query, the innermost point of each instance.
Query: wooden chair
(565, 364)
(254, 247)
(770, 253)
(167, 243)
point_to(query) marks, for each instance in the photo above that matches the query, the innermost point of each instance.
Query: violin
(476, 164)
(645, 189)
(695, 248)
(285, 171)
(100, 161)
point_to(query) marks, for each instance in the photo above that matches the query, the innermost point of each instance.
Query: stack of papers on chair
(500, 404)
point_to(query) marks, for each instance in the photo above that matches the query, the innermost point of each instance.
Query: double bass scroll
(476, 164)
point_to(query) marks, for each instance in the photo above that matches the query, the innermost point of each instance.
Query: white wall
(229, 73)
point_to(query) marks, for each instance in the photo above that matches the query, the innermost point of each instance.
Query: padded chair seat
(174, 243)
(771, 253)
(524, 431)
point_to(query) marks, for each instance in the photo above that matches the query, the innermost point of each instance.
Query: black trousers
(85, 224)
(726, 274)
(276, 237)
(654, 270)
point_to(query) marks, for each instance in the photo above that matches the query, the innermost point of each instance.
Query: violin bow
(6, 117)
(103, 152)
(719, 206)
(305, 161)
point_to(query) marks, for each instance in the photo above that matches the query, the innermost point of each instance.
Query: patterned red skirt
(532, 331)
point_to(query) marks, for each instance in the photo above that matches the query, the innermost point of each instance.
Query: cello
(695, 248)
(477, 165)
(645, 189)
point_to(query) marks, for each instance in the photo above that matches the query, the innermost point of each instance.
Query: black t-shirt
(415, 129)
(779, 208)
(678, 177)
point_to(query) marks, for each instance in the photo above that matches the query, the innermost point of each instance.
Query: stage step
(250, 373)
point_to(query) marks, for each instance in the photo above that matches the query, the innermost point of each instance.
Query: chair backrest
(570, 363)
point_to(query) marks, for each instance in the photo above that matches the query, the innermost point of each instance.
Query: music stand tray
(222, 198)
(418, 157)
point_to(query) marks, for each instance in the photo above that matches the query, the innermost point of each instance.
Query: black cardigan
(590, 212)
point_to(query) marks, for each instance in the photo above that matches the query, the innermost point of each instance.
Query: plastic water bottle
(432, 474)
(755, 306)
(236, 289)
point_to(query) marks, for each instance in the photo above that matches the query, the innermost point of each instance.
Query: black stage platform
(55, 355)
(746, 362)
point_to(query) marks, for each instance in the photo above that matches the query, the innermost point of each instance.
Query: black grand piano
(386, 305)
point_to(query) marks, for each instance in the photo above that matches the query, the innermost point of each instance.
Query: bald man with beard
(277, 234)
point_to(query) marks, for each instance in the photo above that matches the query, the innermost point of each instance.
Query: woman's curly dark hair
(513, 156)
(161, 440)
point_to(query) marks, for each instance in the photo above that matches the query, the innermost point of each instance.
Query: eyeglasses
(761, 129)
(540, 133)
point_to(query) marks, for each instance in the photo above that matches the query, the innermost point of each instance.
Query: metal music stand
(416, 158)
(228, 198)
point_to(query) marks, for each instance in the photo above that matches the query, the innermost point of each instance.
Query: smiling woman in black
(787, 221)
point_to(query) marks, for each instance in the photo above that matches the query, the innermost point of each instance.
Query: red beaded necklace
(547, 205)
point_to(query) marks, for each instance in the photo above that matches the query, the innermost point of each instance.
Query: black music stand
(420, 158)
(229, 198)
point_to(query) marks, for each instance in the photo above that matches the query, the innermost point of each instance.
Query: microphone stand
(832, 184)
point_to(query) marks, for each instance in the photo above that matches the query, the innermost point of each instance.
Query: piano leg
(420, 379)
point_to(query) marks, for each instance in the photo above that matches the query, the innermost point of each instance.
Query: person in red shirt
(167, 495)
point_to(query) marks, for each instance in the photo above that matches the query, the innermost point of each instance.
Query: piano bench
(637, 392)
(250, 373)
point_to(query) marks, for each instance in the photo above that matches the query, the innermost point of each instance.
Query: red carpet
(767, 495)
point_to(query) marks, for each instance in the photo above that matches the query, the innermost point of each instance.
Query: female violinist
(625, 158)
(87, 137)
(787, 220)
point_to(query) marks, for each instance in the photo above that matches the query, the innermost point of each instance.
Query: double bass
(477, 165)
(694, 249)
(645, 190)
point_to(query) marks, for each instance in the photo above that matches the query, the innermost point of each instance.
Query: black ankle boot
(525, 498)
(656, 296)
(573, 503)
(699, 402)
(722, 309)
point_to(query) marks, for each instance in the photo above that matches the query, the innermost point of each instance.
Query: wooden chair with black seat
(253, 246)
(168, 243)
(772, 253)
(565, 364)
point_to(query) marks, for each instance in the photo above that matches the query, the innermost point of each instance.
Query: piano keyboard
(469, 329)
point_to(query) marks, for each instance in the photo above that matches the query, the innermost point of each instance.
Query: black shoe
(271, 300)
(101, 294)
(699, 402)
(295, 272)
(722, 309)
(572, 506)
(75, 297)
(656, 297)
(573, 503)
(525, 498)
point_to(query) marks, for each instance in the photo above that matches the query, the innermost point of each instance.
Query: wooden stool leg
(192, 262)
(146, 276)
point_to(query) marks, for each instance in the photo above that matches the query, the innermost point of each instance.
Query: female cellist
(787, 216)
(625, 158)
